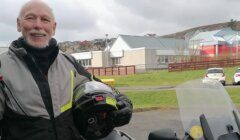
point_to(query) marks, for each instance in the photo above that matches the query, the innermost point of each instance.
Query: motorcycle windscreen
(196, 98)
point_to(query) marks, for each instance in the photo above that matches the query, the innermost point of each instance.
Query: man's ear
(19, 25)
(54, 28)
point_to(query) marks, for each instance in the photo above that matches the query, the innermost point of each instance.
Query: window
(166, 59)
(85, 62)
(162, 59)
(116, 61)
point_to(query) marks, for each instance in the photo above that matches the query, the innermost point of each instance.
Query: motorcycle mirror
(163, 134)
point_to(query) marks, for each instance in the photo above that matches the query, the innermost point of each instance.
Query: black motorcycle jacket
(36, 104)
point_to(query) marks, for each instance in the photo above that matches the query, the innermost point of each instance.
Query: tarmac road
(145, 88)
(143, 123)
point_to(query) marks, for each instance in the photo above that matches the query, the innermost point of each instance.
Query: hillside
(100, 44)
(235, 25)
(84, 46)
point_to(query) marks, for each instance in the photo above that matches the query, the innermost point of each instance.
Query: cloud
(72, 15)
(86, 20)
(184, 13)
(7, 34)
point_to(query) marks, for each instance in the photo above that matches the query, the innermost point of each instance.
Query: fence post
(134, 70)
(112, 70)
(118, 70)
(105, 71)
(125, 70)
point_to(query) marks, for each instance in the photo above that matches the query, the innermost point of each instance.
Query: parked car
(236, 77)
(215, 74)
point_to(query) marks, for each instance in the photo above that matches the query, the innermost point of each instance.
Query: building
(144, 52)
(92, 58)
(218, 44)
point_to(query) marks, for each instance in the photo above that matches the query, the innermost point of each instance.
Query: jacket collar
(20, 51)
(16, 49)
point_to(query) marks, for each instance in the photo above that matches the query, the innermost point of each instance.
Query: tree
(234, 24)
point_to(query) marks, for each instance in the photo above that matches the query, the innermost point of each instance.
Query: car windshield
(215, 71)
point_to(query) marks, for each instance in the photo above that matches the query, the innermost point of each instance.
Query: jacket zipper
(44, 96)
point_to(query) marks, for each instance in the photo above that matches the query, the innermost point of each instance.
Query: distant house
(216, 44)
(92, 58)
(145, 52)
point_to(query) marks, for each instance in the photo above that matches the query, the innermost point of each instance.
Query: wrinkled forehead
(36, 6)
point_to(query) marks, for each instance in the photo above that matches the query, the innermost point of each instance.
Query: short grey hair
(27, 4)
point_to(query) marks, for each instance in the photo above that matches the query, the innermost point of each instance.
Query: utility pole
(107, 49)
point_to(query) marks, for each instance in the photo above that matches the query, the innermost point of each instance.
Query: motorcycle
(117, 135)
(207, 113)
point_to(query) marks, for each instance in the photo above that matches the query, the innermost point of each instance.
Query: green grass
(149, 99)
(167, 98)
(163, 77)
(234, 93)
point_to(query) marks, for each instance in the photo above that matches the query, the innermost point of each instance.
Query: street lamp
(107, 49)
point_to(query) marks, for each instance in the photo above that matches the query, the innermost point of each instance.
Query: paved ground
(145, 88)
(143, 123)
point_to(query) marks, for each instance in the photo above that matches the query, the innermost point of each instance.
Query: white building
(145, 52)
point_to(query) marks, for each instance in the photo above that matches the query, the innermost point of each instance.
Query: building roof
(152, 42)
(206, 36)
(225, 32)
(226, 35)
(229, 35)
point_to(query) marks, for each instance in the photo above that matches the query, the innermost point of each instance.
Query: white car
(215, 74)
(236, 77)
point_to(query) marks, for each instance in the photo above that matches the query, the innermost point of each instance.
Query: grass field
(163, 77)
(167, 98)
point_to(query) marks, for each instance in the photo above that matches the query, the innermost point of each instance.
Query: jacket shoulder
(79, 68)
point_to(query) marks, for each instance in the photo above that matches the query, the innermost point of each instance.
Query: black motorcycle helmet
(94, 103)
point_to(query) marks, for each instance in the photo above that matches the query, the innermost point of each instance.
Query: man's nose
(38, 24)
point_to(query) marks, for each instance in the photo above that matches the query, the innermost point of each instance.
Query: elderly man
(39, 82)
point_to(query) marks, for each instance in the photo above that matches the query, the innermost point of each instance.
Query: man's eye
(29, 18)
(46, 20)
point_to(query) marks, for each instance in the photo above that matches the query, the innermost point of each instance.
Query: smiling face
(36, 23)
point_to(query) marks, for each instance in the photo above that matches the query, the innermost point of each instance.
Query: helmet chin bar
(93, 110)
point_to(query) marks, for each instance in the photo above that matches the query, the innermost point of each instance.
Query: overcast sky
(89, 19)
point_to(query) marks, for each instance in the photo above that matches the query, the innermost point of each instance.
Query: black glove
(124, 113)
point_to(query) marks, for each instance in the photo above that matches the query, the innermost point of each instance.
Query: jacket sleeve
(2, 103)
(2, 106)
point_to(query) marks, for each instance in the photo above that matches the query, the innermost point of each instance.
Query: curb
(152, 108)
